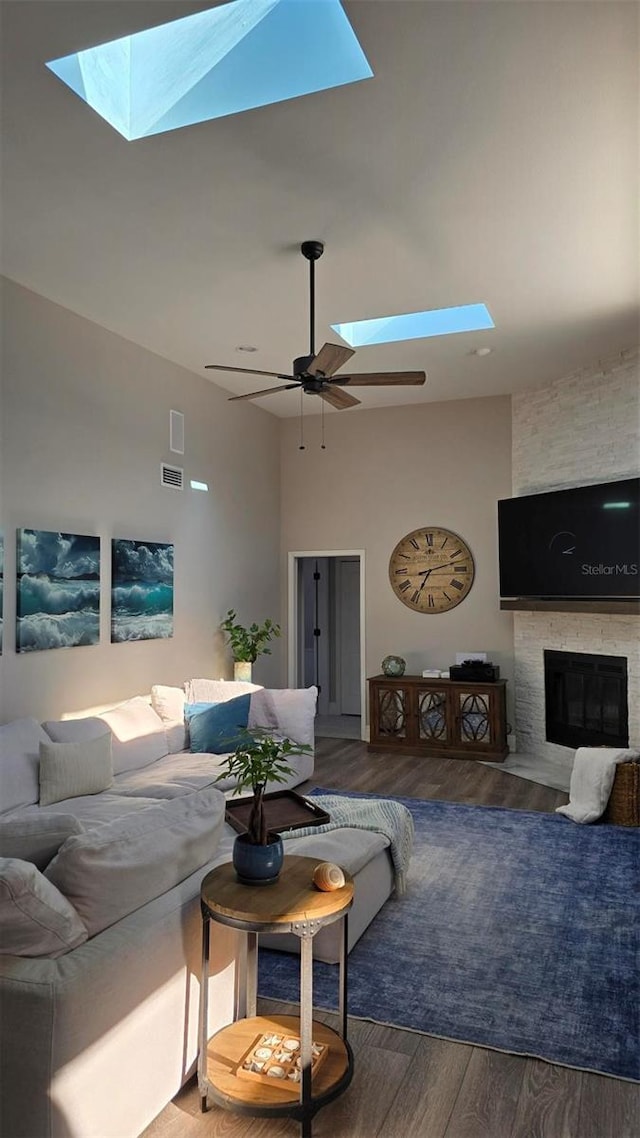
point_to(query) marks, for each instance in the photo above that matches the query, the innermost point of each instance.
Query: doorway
(326, 635)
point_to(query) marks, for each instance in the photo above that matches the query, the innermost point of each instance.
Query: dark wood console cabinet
(445, 718)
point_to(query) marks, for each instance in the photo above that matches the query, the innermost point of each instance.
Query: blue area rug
(519, 931)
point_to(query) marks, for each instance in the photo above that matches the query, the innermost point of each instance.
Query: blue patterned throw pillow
(213, 727)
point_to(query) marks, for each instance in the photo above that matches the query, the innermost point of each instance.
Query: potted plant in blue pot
(259, 759)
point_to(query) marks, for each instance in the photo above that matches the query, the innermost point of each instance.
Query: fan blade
(337, 398)
(329, 359)
(381, 379)
(248, 371)
(267, 391)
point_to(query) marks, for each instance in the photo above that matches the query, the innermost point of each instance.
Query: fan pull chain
(322, 446)
(302, 446)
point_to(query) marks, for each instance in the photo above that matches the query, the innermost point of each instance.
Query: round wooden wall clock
(431, 569)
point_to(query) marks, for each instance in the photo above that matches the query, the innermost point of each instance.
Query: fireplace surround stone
(580, 633)
(584, 427)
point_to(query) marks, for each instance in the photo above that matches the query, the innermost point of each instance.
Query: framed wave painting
(141, 590)
(58, 590)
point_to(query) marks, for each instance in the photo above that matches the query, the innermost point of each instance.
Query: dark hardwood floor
(414, 1086)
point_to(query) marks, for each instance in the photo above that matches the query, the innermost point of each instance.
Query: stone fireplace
(582, 428)
(593, 634)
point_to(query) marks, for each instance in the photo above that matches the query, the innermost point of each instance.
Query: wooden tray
(284, 810)
(270, 1052)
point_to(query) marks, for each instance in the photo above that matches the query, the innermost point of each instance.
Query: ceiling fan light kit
(314, 374)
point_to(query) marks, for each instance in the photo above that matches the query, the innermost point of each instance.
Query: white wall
(386, 472)
(85, 426)
(583, 429)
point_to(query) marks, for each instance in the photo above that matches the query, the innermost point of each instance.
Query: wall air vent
(172, 476)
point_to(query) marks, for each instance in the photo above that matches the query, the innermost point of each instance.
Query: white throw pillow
(217, 691)
(287, 711)
(114, 869)
(19, 759)
(35, 919)
(36, 838)
(168, 702)
(74, 730)
(177, 737)
(70, 770)
(138, 733)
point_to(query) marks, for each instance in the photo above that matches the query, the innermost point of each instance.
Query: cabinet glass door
(392, 712)
(473, 717)
(432, 715)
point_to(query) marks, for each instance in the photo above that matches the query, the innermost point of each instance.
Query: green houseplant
(248, 643)
(257, 760)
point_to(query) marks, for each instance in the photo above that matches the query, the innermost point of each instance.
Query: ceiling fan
(315, 374)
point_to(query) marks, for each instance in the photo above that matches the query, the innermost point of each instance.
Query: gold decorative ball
(328, 876)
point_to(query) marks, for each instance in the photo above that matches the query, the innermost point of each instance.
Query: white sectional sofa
(99, 906)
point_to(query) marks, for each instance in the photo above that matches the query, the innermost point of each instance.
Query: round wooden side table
(290, 905)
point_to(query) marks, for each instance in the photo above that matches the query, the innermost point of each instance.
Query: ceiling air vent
(172, 476)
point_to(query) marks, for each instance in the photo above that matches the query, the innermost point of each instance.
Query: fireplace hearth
(586, 699)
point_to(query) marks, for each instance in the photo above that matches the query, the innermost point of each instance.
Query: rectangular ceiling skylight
(415, 325)
(249, 53)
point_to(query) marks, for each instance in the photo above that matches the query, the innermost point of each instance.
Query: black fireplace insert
(586, 699)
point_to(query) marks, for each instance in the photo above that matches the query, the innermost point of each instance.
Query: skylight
(415, 325)
(245, 54)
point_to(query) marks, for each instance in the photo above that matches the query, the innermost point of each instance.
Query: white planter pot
(242, 670)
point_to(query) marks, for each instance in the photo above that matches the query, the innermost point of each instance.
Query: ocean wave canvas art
(58, 590)
(141, 590)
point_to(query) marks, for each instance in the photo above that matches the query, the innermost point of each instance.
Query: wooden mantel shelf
(526, 604)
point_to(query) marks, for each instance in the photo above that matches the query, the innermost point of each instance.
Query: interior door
(326, 647)
(348, 635)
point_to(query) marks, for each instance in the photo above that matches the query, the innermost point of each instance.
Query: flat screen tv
(578, 543)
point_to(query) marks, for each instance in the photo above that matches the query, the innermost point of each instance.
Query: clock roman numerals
(431, 570)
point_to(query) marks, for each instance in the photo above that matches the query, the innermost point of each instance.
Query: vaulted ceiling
(493, 157)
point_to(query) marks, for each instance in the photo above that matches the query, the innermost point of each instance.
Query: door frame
(292, 618)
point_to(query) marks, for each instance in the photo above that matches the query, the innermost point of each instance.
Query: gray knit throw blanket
(379, 814)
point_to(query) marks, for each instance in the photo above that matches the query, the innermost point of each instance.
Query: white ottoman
(365, 855)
